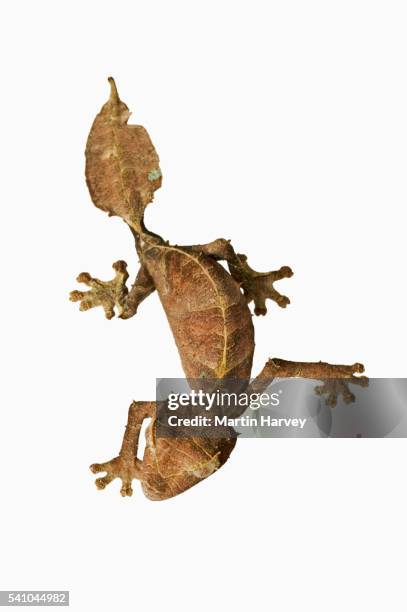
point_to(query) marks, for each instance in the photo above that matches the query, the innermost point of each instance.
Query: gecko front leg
(257, 286)
(126, 465)
(114, 293)
(335, 378)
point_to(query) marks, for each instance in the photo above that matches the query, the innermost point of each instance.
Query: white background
(283, 126)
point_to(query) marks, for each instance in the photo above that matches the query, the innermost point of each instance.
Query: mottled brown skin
(206, 307)
(207, 312)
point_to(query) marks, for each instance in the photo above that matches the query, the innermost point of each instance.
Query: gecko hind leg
(126, 465)
(257, 286)
(335, 378)
(114, 293)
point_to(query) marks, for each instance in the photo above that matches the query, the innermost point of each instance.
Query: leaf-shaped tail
(122, 166)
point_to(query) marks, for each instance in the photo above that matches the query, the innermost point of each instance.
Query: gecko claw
(108, 294)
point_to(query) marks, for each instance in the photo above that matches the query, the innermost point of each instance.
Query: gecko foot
(119, 467)
(108, 294)
(258, 286)
(333, 389)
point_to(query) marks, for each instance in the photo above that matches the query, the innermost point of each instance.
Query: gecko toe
(101, 483)
(98, 467)
(126, 490)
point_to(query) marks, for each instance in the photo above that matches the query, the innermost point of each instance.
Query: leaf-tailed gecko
(207, 309)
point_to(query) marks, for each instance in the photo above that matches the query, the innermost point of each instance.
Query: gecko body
(208, 315)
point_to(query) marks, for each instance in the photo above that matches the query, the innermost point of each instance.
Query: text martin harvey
(242, 421)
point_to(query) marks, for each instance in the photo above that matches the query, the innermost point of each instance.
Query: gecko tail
(114, 94)
(122, 165)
